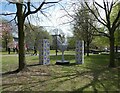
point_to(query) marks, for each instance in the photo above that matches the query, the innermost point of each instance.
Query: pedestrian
(14, 49)
(17, 48)
(35, 51)
(8, 50)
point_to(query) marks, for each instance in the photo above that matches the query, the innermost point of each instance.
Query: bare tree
(111, 26)
(24, 9)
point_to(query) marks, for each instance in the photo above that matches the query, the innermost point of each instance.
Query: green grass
(9, 63)
(93, 75)
(51, 52)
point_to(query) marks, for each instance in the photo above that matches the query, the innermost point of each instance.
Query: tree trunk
(6, 44)
(87, 48)
(112, 56)
(84, 48)
(56, 46)
(116, 49)
(21, 19)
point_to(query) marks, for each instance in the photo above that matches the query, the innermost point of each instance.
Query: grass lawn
(93, 75)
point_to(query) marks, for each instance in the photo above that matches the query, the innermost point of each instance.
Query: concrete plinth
(60, 62)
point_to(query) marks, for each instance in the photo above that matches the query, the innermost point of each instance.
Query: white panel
(79, 52)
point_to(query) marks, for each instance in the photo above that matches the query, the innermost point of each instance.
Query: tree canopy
(33, 34)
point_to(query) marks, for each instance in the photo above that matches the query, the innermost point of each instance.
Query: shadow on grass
(95, 81)
(59, 57)
(98, 69)
(96, 66)
(10, 72)
(70, 64)
(33, 65)
(64, 78)
(59, 82)
(70, 77)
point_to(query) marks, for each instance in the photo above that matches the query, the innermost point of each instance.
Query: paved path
(32, 55)
(9, 55)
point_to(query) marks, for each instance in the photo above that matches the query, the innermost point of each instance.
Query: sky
(53, 18)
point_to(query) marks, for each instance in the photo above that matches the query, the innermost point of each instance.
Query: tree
(117, 38)
(100, 42)
(71, 42)
(29, 35)
(110, 25)
(6, 33)
(82, 29)
(117, 33)
(33, 34)
(24, 9)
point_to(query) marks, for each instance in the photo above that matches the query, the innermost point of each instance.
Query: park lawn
(93, 75)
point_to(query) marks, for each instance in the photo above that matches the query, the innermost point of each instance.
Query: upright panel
(79, 52)
(44, 52)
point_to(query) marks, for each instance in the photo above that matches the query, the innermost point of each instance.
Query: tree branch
(13, 19)
(30, 24)
(37, 9)
(67, 22)
(101, 33)
(52, 2)
(99, 5)
(66, 10)
(5, 14)
(45, 15)
(117, 25)
(32, 12)
(111, 6)
(28, 5)
(47, 7)
(33, 6)
(117, 18)
(12, 2)
(99, 14)
(95, 15)
(107, 14)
